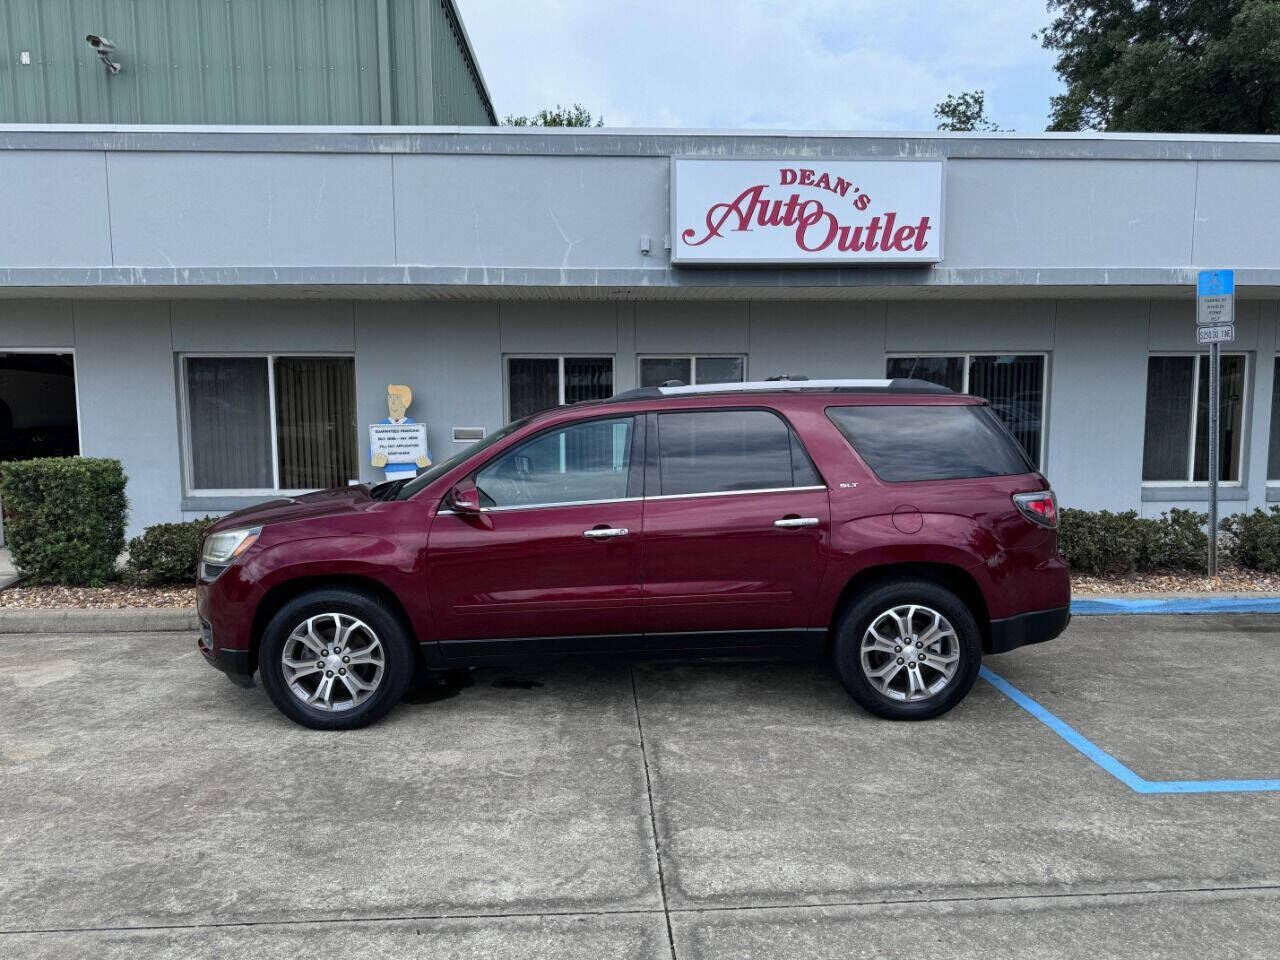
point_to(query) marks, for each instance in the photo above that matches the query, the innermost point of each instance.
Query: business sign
(398, 442)
(837, 213)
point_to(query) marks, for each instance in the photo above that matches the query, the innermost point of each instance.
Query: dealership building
(223, 308)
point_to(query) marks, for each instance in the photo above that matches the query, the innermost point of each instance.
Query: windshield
(438, 470)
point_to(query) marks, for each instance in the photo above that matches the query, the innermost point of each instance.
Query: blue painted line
(1109, 763)
(1083, 607)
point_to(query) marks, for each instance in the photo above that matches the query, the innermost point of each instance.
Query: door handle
(790, 523)
(604, 533)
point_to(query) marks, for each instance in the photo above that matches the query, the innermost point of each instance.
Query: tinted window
(582, 461)
(930, 443)
(803, 472)
(715, 451)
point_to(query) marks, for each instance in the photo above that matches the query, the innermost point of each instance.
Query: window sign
(841, 212)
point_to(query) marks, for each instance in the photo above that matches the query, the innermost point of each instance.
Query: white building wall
(447, 353)
(1097, 402)
(127, 385)
(451, 353)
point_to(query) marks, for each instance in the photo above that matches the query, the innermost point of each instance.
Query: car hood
(322, 503)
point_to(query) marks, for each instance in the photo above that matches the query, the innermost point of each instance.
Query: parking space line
(1109, 763)
(1084, 606)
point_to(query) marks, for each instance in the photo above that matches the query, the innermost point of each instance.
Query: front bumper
(236, 664)
(1027, 628)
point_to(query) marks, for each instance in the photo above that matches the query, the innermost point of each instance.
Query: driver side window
(577, 462)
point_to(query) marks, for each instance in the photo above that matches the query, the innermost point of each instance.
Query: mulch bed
(1228, 580)
(113, 597)
(122, 596)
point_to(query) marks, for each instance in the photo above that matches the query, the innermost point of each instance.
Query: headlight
(221, 548)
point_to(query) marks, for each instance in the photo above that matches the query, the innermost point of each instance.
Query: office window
(1176, 440)
(655, 371)
(38, 406)
(1273, 453)
(269, 423)
(1014, 383)
(539, 383)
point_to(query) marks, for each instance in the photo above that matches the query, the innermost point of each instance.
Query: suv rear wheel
(908, 650)
(335, 659)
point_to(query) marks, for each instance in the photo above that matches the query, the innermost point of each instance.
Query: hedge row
(64, 522)
(64, 518)
(1102, 543)
(167, 553)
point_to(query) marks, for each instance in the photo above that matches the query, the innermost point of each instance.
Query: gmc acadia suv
(892, 527)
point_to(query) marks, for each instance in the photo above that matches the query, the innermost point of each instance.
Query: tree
(1175, 66)
(966, 110)
(575, 116)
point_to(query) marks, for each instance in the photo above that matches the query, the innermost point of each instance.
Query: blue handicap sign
(1215, 283)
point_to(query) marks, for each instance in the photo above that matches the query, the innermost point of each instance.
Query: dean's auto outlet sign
(839, 213)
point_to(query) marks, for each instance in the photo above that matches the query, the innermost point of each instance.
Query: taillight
(1040, 508)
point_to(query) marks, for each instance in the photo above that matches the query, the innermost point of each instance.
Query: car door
(736, 531)
(551, 563)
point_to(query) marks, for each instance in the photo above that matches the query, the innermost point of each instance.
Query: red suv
(892, 527)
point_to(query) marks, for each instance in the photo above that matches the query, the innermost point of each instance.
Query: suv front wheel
(908, 650)
(335, 659)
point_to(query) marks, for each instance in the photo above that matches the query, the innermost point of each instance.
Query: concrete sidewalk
(696, 811)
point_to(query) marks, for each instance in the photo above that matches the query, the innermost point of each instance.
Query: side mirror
(465, 498)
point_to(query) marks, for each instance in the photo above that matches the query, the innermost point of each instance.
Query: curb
(69, 620)
(1102, 606)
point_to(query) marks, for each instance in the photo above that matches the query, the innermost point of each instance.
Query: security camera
(104, 48)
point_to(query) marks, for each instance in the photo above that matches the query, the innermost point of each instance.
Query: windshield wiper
(388, 489)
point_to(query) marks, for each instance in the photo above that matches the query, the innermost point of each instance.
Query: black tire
(398, 665)
(876, 601)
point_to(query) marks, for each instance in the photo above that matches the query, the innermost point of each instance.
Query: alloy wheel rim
(910, 653)
(333, 662)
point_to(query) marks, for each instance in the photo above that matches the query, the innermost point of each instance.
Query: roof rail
(899, 385)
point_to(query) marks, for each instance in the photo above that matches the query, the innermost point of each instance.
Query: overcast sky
(803, 64)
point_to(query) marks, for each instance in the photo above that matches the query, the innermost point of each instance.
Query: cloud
(803, 64)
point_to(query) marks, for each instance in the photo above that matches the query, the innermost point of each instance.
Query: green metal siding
(237, 61)
(455, 79)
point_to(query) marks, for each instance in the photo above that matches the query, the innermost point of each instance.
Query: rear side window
(719, 451)
(931, 442)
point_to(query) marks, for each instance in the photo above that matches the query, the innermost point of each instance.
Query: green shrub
(1255, 539)
(1102, 543)
(1178, 540)
(167, 552)
(64, 518)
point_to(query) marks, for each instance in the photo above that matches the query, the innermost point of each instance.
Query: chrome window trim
(734, 493)
(665, 496)
(544, 506)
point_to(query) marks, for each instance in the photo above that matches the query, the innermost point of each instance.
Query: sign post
(1215, 325)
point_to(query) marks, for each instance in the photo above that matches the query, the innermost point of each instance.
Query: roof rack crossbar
(899, 385)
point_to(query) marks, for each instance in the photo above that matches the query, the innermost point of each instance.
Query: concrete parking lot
(150, 808)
